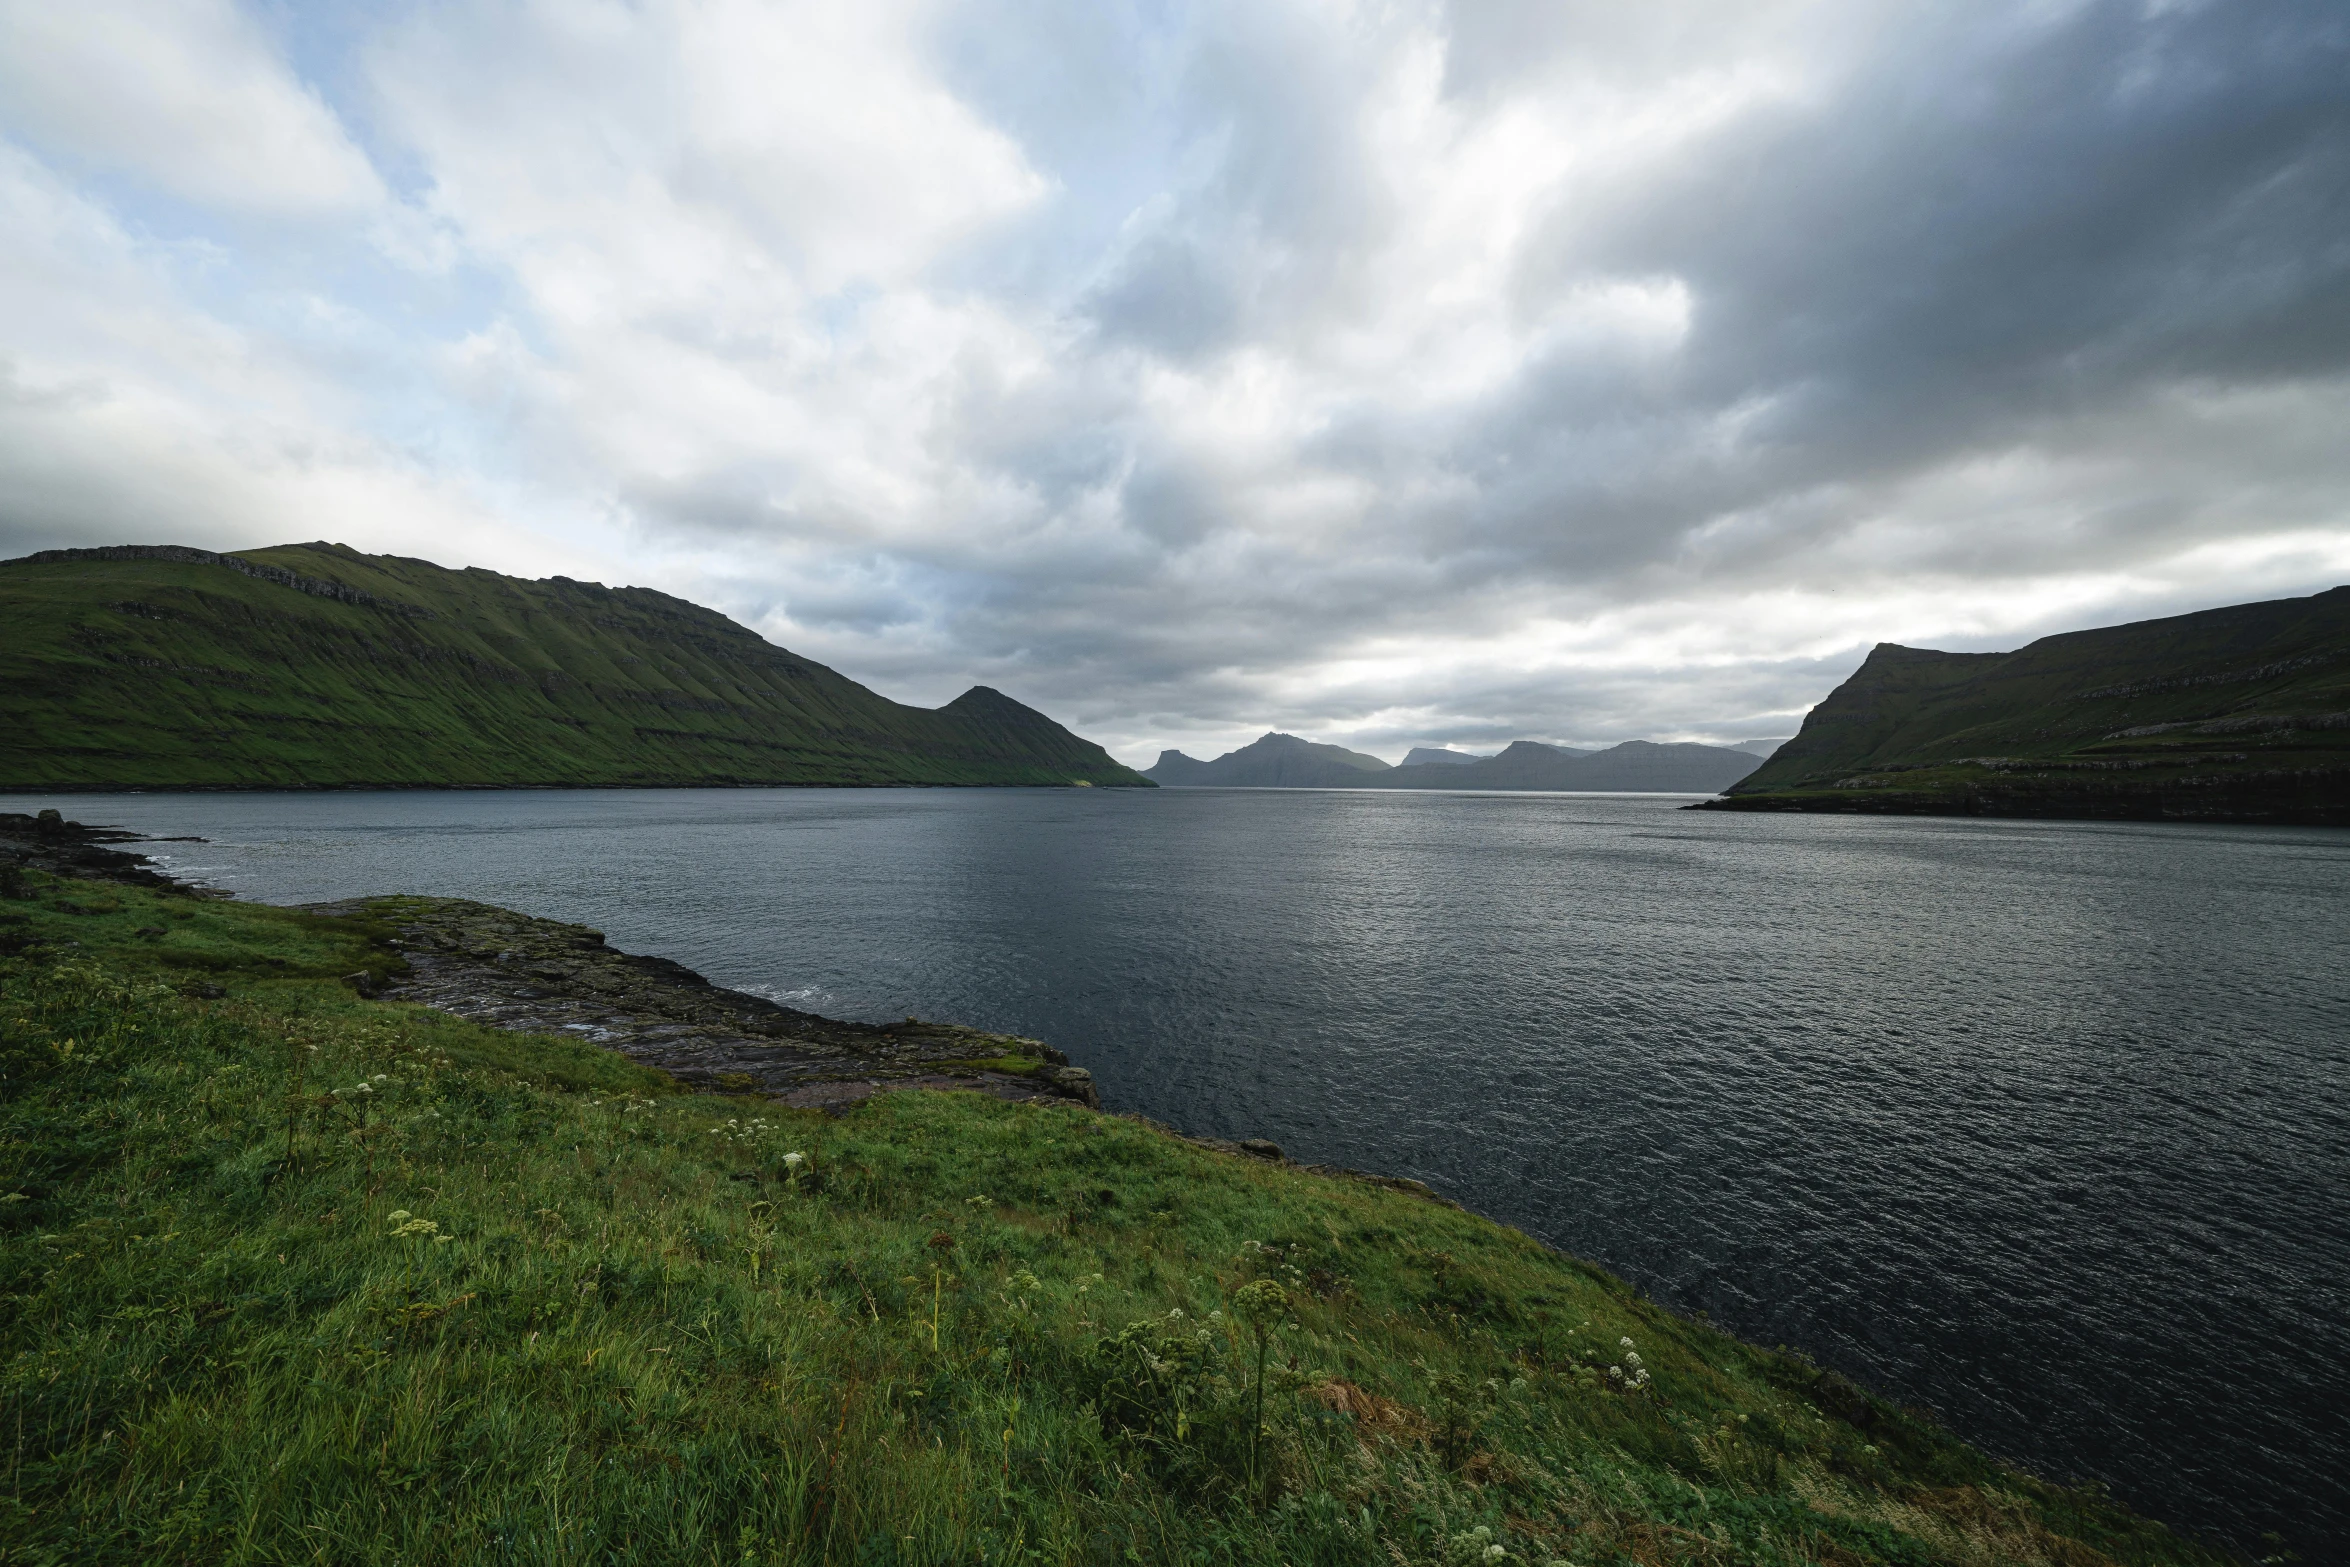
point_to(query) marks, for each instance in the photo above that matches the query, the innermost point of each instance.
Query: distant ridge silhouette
(1279, 761)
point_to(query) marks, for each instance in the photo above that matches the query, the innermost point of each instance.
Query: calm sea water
(2044, 1126)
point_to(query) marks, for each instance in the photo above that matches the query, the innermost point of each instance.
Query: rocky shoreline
(48, 842)
(528, 975)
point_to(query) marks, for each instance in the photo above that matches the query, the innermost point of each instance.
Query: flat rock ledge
(523, 974)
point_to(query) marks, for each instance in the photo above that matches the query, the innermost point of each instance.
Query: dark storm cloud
(1993, 227)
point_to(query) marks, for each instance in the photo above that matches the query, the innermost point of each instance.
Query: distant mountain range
(1636, 766)
(2237, 714)
(314, 666)
(1277, 761)
(1280, 761)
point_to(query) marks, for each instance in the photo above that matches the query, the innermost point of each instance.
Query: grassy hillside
(289, 1275)
(2230, 714)
(314, 666)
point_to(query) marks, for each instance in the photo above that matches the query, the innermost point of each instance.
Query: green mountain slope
(2238, 714)
(313, 666)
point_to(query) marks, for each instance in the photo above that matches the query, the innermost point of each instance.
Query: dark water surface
(2043, 1125)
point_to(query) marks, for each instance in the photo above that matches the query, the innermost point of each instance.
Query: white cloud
(187, 96)
(720, 220)
(695, 162)
(129, 414)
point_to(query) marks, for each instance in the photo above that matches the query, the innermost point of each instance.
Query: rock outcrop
(517, 972)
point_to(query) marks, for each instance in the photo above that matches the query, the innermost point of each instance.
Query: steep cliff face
(313, 666)
(1873, 711)
(2230, 714)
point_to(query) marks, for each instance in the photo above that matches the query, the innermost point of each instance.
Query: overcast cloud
(1388, 373)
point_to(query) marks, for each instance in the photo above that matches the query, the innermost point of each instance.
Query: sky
(1388, 373)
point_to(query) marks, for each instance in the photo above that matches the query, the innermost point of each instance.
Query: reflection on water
(2045, 1126)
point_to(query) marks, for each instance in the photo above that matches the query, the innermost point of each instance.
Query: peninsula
(321, 1233)
(2228, 715)
(312, 666)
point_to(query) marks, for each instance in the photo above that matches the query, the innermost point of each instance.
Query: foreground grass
(290, 1276)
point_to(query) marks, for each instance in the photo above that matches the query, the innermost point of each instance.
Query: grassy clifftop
(314, 666)
(2238, 714)
(287, 1274)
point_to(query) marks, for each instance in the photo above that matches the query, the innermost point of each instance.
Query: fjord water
(2042, 1125)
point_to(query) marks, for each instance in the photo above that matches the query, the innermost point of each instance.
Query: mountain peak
(986, 698)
